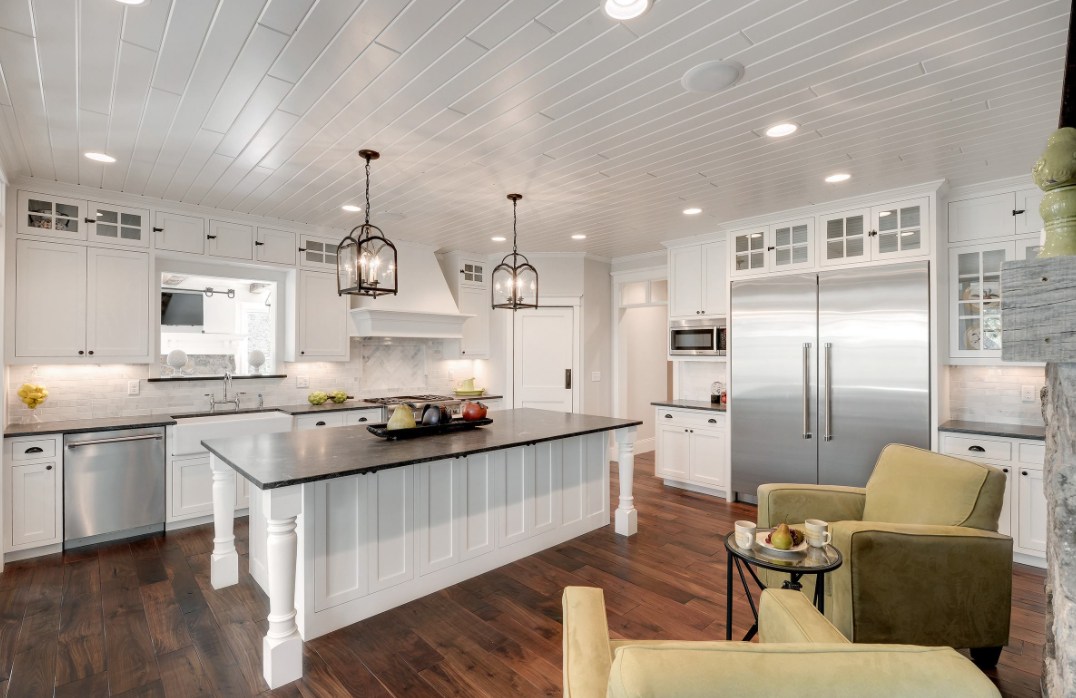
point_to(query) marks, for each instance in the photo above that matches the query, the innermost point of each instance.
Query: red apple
(473, 410)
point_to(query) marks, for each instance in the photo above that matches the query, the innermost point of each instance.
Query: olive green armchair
(923, 562)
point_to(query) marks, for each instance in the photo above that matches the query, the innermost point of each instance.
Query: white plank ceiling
(259, 106)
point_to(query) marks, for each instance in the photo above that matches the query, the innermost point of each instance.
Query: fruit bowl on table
(799, 543)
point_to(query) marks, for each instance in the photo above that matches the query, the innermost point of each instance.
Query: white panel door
(1030, 221)
(231, 240)
(714, 279)
(478, 533)
(192, 488)
(322, 319)
(1031, 530)
(117, 225)
(275, 246)
(439, 491)
(117, 304)
(982, 218)
(49, 323)
(34, 504)
(685, 282)
(340, 521)
(672, 452)
(707, 457)
(179, 233)
(390, 527)
(544, 353)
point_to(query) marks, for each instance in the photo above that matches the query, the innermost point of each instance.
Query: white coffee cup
(818, 535)
(745, 534)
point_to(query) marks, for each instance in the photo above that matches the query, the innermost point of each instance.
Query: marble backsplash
(992, 394)
(376, 367)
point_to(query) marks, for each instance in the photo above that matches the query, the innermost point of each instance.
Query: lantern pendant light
(515, 281)
(366, 261)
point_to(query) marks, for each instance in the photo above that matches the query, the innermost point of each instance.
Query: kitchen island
(347, 525)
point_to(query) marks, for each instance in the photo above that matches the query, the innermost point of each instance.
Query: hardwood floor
(140, 618)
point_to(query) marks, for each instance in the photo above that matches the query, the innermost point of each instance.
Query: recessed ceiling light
(712, 76)
(692, 211)
(625, 9)
(778, 130)
(100, 157)
(351, 207)
(498, 238)
(131, 2)
(579, 236)
(839, 177)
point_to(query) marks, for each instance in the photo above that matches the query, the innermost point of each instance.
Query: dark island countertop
(76, 426)
(691, 405)
(1011, 431)
(269, 461)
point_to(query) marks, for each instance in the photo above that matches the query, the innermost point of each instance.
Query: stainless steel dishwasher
(113, 485)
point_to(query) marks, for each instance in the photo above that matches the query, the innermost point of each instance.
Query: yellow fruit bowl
(32, 395)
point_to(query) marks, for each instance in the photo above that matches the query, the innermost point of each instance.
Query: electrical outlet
(132, 387)
(1028, 393)
(595, 376)
(302, 382)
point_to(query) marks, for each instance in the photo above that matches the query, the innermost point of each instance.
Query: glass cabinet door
(57, 217)
(749, 250)
(122, 226)
(791, 245)
(976, 299)
(317, 253)
(899, 231)
(845, 237)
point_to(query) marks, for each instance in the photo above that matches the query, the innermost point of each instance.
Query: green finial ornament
(1055, 174)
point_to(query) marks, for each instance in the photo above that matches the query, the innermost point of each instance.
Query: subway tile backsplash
(377, 367)
(992, 394)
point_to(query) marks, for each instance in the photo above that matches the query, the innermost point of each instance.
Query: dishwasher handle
(118, 439)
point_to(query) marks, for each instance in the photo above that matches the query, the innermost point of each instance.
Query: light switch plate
(302, 382)
(595, 376)
(132, 387)
(1028, 393)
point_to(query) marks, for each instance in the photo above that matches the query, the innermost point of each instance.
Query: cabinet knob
(91, 352)
(48, 467)
(80, 352)
(872, 233)
(1023, 472)
(302, 352)
(320, 424)
(976, 449)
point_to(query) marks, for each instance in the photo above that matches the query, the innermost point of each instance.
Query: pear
(781, 538)
(402, 418)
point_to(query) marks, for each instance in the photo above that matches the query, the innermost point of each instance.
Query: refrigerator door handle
(806, 390)
(828, 433)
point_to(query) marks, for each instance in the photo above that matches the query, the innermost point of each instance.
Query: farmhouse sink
(189, 432)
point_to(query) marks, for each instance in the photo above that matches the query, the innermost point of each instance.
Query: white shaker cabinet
(778, 247)
(231, 240)
(176, 232)
(33, 492)
(690, 447)
(321, 319)
(105, 316)
(468, 280)
(275, 246)
(1001, 215)
(697, 281)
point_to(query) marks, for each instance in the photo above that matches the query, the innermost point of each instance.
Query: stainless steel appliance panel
(773, 381)
(874, 338)
(697, 337)
(113, 481)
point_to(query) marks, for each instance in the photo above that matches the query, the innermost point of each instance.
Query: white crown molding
(994, 186)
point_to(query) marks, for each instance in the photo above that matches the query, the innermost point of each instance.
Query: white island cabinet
(344, 525)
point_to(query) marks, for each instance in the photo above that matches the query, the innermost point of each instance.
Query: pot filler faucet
(225, 400)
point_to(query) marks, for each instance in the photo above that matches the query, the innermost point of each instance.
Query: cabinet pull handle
(771, 248)
(258, 243)
(302, 249)
(362, 419)
(872, 233)
(48, 467)
(34, 449)
(668, 416)
(210, 237)
(158, 230)
(1018, 211)
(567, 379)
(90, 220)
(977, 449)
(320, 424)
(711, 421)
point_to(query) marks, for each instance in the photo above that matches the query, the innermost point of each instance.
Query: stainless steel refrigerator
(825, 369)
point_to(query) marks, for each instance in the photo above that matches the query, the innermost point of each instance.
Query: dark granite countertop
(290, 458)
(307, 408)
(691, 405)
(75, 426)
(1012, 431)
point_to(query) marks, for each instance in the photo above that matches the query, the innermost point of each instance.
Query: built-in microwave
(701, 337)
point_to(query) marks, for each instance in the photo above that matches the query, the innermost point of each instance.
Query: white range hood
(423, 308)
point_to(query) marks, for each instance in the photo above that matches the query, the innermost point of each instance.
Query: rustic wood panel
(1038, 310)
(139, 618)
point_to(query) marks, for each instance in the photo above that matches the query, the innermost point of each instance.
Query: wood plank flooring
(139, 618)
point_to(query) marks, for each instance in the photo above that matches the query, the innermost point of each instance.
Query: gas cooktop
(400, 399)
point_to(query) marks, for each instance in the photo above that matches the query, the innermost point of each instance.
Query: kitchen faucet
(225, 400)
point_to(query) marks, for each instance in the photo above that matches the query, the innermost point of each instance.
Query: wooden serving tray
(384, 432)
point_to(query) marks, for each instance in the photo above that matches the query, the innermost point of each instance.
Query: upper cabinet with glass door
(118, 225)
(870, 235)
(51, 216)
(773, 248)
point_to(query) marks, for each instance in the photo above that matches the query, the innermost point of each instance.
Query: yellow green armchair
(923, 562)
(799, 654)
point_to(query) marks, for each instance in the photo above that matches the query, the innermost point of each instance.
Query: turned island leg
(282, 647)
(627, 517)
(224, 562)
